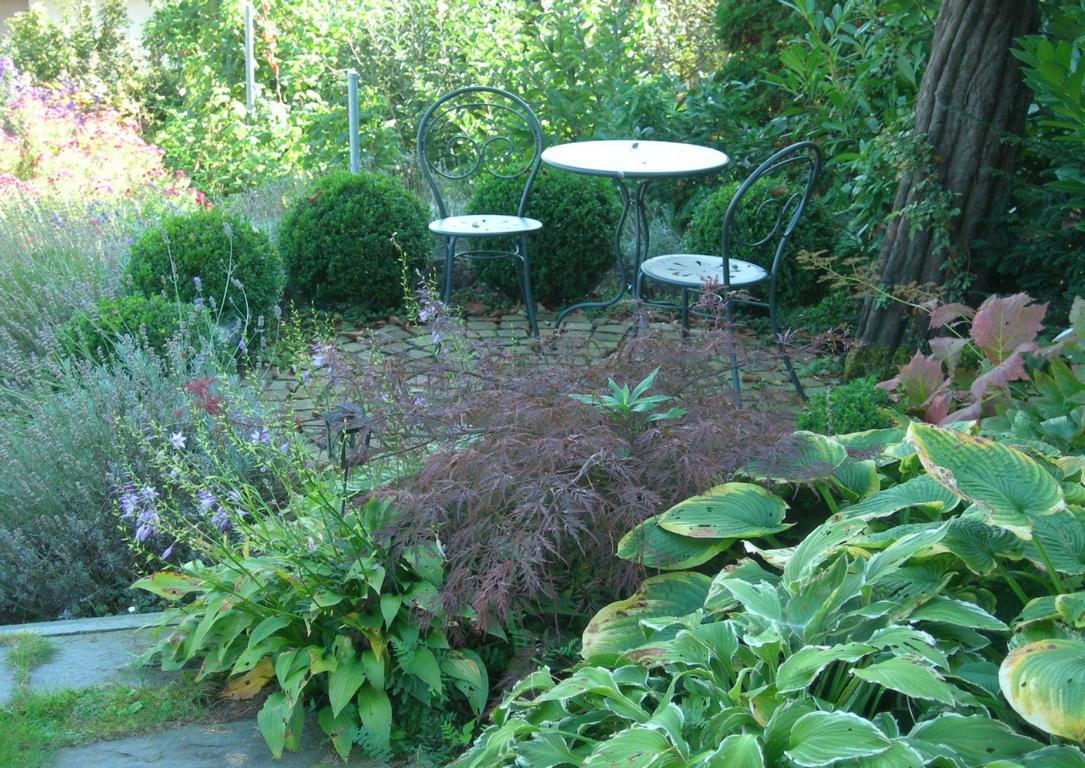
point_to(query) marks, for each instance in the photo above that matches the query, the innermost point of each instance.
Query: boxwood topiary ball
(815, 232)
(155, 318)
(337, 240)
(221, 259)
(575, 247)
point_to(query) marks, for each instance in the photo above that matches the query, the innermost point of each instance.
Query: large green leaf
(616, 628)
(1045, 684)
(859, 476)
(344, 681)
(819, 544)
(957, 612)
(635, 747)
(468, 674)
(900, 551)
(1001, 480)
(728, 511)
(1062, 536)
(736, 751)
(910, 677)
(798, 458)
(800, 668)
(870, 444)
(375, 718)
(979, 546)
(280, 723)
(650, 545)
(1068, 608)
(168, 584)
(922, 491)
(339, 728)
(975, 739)
(826, 738)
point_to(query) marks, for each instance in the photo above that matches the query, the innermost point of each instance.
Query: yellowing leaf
(251, 683)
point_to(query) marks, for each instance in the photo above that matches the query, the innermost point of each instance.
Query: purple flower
(168, 551)
(129, 503)
(148, 494)
(206, 499)
(196, 281)
(241, 345)
(284, 448)
(260, 435)
(147, 520)
(220, 519)
(177, 440)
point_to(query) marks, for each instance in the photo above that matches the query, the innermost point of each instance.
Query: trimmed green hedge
(220, 259)
(337, 240)
(155, 318)
(575, 247)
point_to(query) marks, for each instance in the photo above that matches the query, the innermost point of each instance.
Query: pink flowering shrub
(57, 142)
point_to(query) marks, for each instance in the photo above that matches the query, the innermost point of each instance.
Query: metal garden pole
(352, 118)
(250, 62)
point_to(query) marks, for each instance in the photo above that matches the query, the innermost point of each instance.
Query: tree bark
(971, 98)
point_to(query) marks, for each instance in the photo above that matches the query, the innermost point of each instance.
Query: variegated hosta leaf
(1062, 536)
(635, 747)
(860, 476)
(1004, 482)
(923, 491)
(800, 457)
(959, 613)
(979, 546)
(872, 443)
(826, 738)
(649, 544)
(1045, 684)
(977, 740)
(1068, 608)
(818, 545)
(750, 571)
(728, 511)
(802, 667)
(616, 628)
(912, 678)
(736, 751)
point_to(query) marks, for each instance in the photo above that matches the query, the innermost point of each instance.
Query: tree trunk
(970, 99)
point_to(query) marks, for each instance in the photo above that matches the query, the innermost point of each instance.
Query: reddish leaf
(950, 313)
(937, 409)
(948, 350)
(922, 378)
(1010, 369)
(1003, 325)
(969, 413)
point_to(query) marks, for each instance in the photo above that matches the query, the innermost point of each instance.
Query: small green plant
(25, 651)
(575, 247)
(632, 408)
(218, 261)
(352, 238)
(155, 319)
(853, 407)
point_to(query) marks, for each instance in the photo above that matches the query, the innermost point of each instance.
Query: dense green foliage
(220, 260)
(358, 238)
(853, 407)
(576, 245)
(754, 220)
(155, 320)
(87, 51)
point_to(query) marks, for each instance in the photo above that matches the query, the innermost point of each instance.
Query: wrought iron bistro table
(632, 165)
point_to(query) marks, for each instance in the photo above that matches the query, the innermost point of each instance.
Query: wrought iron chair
(468, 133)
(777, 192)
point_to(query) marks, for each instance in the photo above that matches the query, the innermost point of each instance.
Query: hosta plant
(874, 641)
(291, 590)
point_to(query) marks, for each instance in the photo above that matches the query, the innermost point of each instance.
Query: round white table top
(628, 158)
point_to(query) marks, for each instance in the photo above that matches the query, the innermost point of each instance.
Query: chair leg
(446, 283)
(794, 377)
(685, 313)
(525, 287)
(729, 314)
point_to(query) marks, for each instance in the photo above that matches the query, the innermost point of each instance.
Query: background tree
(971, 99)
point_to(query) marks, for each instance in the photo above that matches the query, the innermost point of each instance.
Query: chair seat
(692, 270)
(484, 225)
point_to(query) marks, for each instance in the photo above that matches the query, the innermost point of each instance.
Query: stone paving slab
(86, 660)
(225, 745)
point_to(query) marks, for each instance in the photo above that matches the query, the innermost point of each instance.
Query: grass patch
(26, 650)
(37, 724)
